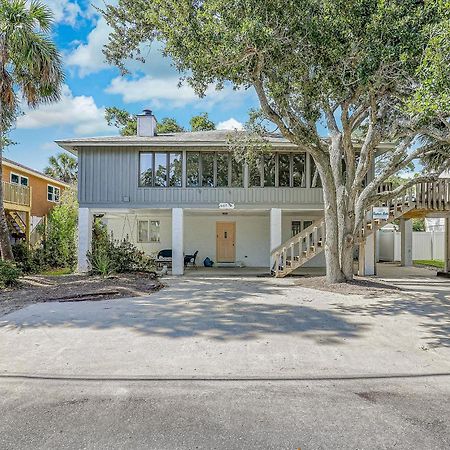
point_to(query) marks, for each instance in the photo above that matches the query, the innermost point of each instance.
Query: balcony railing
(16, 194)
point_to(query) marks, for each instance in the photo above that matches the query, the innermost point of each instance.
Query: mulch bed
(70, 288)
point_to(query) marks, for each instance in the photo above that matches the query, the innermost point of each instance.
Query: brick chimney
(146, 123)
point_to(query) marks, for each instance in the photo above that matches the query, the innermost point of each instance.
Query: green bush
(9, 274)
(59, 242)
(23, 257)
(109, 255)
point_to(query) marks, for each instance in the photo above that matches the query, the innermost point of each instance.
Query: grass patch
(60, 271)
(437, 263)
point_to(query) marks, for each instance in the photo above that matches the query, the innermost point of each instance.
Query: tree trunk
(5, 243)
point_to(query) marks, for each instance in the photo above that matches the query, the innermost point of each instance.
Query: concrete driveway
(222, 327)
(229, 363)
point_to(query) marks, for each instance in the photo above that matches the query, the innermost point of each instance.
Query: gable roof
(29, 170)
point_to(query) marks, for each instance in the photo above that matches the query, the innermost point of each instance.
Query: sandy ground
(37, 289)
(232, 327)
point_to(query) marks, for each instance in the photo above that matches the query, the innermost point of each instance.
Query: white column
(447, 245)
(367, 253)
(177, 241)
(275, 229)
(406, 242)
(84, 238)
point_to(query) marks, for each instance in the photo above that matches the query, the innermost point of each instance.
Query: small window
(269, 170)
(19, 179)
(296, 227)
(53, 193)
(148, 231)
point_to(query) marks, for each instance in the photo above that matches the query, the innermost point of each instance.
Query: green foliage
(27, 260)
(121, 119)
(60, 237)
(112, 256)
(9, 274)
(31, 62)
(58, 246)
(418, 224)
(201, 123)
(127, 123)
(62, 167)
(168, 125)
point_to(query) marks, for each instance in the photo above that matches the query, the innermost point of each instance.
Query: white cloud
(79, 112)
(65, 11)
(88, 57)
(158, 92)
(230, 124)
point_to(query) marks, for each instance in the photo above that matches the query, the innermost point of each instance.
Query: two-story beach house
(185, 192)
(28, 196)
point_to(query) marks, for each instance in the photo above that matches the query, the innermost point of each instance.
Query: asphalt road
(401, 413)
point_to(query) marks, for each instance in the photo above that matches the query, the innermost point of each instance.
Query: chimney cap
(146, 112)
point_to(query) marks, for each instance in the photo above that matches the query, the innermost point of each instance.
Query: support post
(177, 241)
(406, 242)
(275, 229)
(447, 245)
(84, 238)
(367, 255)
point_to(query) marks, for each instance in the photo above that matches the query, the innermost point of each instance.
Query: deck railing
(16, 194)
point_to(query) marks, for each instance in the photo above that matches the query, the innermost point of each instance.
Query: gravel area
(66, 288)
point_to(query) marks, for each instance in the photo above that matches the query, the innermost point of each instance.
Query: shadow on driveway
(221, 310)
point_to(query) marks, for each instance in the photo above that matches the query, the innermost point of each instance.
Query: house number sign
(226, 205)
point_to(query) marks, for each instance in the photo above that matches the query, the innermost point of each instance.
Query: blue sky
(91, 85)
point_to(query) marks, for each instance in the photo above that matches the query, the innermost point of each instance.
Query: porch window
(284, 169)
(160, 169)
(19, 179)
(299, 170)
(209, 169)
(237, 173)
(53, 193)
(148, 231)
(222, 169)
(269, 169)
(254, 172)
(175, 169)
(192, 169)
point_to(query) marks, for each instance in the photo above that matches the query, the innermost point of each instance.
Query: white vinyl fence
(426, 245)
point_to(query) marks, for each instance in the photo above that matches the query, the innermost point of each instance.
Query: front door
(225, 241)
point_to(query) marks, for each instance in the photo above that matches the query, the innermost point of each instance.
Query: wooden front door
(225, 241)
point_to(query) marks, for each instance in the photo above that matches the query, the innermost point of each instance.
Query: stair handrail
(294, 239)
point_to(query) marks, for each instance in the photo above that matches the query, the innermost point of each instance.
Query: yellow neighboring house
(28, 196)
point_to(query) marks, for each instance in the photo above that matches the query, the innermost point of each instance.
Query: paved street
(229, 363)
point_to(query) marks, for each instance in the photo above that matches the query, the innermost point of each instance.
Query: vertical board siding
(108, 175)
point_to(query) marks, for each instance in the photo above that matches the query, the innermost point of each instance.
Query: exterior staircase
(17, 226)
(417, 202)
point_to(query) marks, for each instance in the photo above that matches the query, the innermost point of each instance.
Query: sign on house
(380, 212)
(226, 205)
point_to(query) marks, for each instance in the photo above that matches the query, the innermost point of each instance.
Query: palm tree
(30, 65)
(63, 167)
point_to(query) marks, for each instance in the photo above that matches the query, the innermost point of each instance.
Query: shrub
(109, 255)
(9, 274)
(60, 235)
